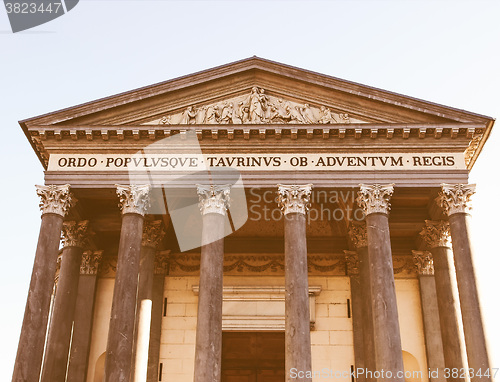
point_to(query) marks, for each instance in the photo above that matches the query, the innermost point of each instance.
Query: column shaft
(432, 331)
(368, 337)
(61, 324)
(144, 306)
(155, 336)
(449, 316)
(475, 339)
(387, 338)
(82, 329)
(357, 324)
(297, 320)
(121, 325)
(207, 367)
(32, 338)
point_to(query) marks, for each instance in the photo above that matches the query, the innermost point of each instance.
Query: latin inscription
(250, 162)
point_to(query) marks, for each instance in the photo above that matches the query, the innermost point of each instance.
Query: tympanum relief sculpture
(255, 108)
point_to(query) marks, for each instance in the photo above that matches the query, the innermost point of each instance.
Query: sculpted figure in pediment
(257, 105)
(295, 114)
(281, 112)
(241, 114)
(226, 113)
(188, 116)
(344, 118)
(200, 115)
(167, 120)
(307, 113)
(326, 116)
(256, 108)
(212, 115)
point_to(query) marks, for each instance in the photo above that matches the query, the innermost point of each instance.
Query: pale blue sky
(442, 51)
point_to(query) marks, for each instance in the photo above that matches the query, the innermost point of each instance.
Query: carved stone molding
(75, 234)
(90, 262)
(424, 263)
(271, 316)
(55, 199)
(133, 199)
(403, 266)
(214, 199)
(294, 199)
(256, 108)
(352, 263)
(375, 198)
(152, 233)
(358, 235)
(161, 263)
(455, 198)
(471, 150)
(273, 264)
(436, 233)
(270, 263)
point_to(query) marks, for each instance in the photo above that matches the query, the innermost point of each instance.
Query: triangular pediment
(310, 97)
(242, 99)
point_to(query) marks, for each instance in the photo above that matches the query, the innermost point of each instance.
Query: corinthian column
(84, 314)
(294, 202)
(151, 237)
(358, 235)
(352, 266)
(374, 199)
(430, 314)
(134, 201)
(455, 201)
(55, 203)
(437, 236)
(75, 236)
(214, 202)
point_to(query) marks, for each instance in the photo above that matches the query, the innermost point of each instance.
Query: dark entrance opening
(253, 357)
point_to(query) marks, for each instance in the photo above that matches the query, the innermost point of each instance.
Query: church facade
(255, 222)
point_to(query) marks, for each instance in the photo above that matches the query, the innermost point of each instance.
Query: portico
(254, 199)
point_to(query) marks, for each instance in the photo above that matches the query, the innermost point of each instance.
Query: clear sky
(441, 51)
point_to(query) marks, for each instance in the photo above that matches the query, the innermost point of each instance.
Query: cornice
(255, 133)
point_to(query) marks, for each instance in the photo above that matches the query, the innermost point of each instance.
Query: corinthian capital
(214, 199)
(455, 198)
(424, 263)
(375, 198)
(55, 199)
(352, 263)
(133, 199)
(294, 199)
(90, 262)
(436, 233)
(152, 233)
(75, 234)
(358, 235)
(161, 262)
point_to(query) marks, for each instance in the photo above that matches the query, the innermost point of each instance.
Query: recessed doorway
(253, 357)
